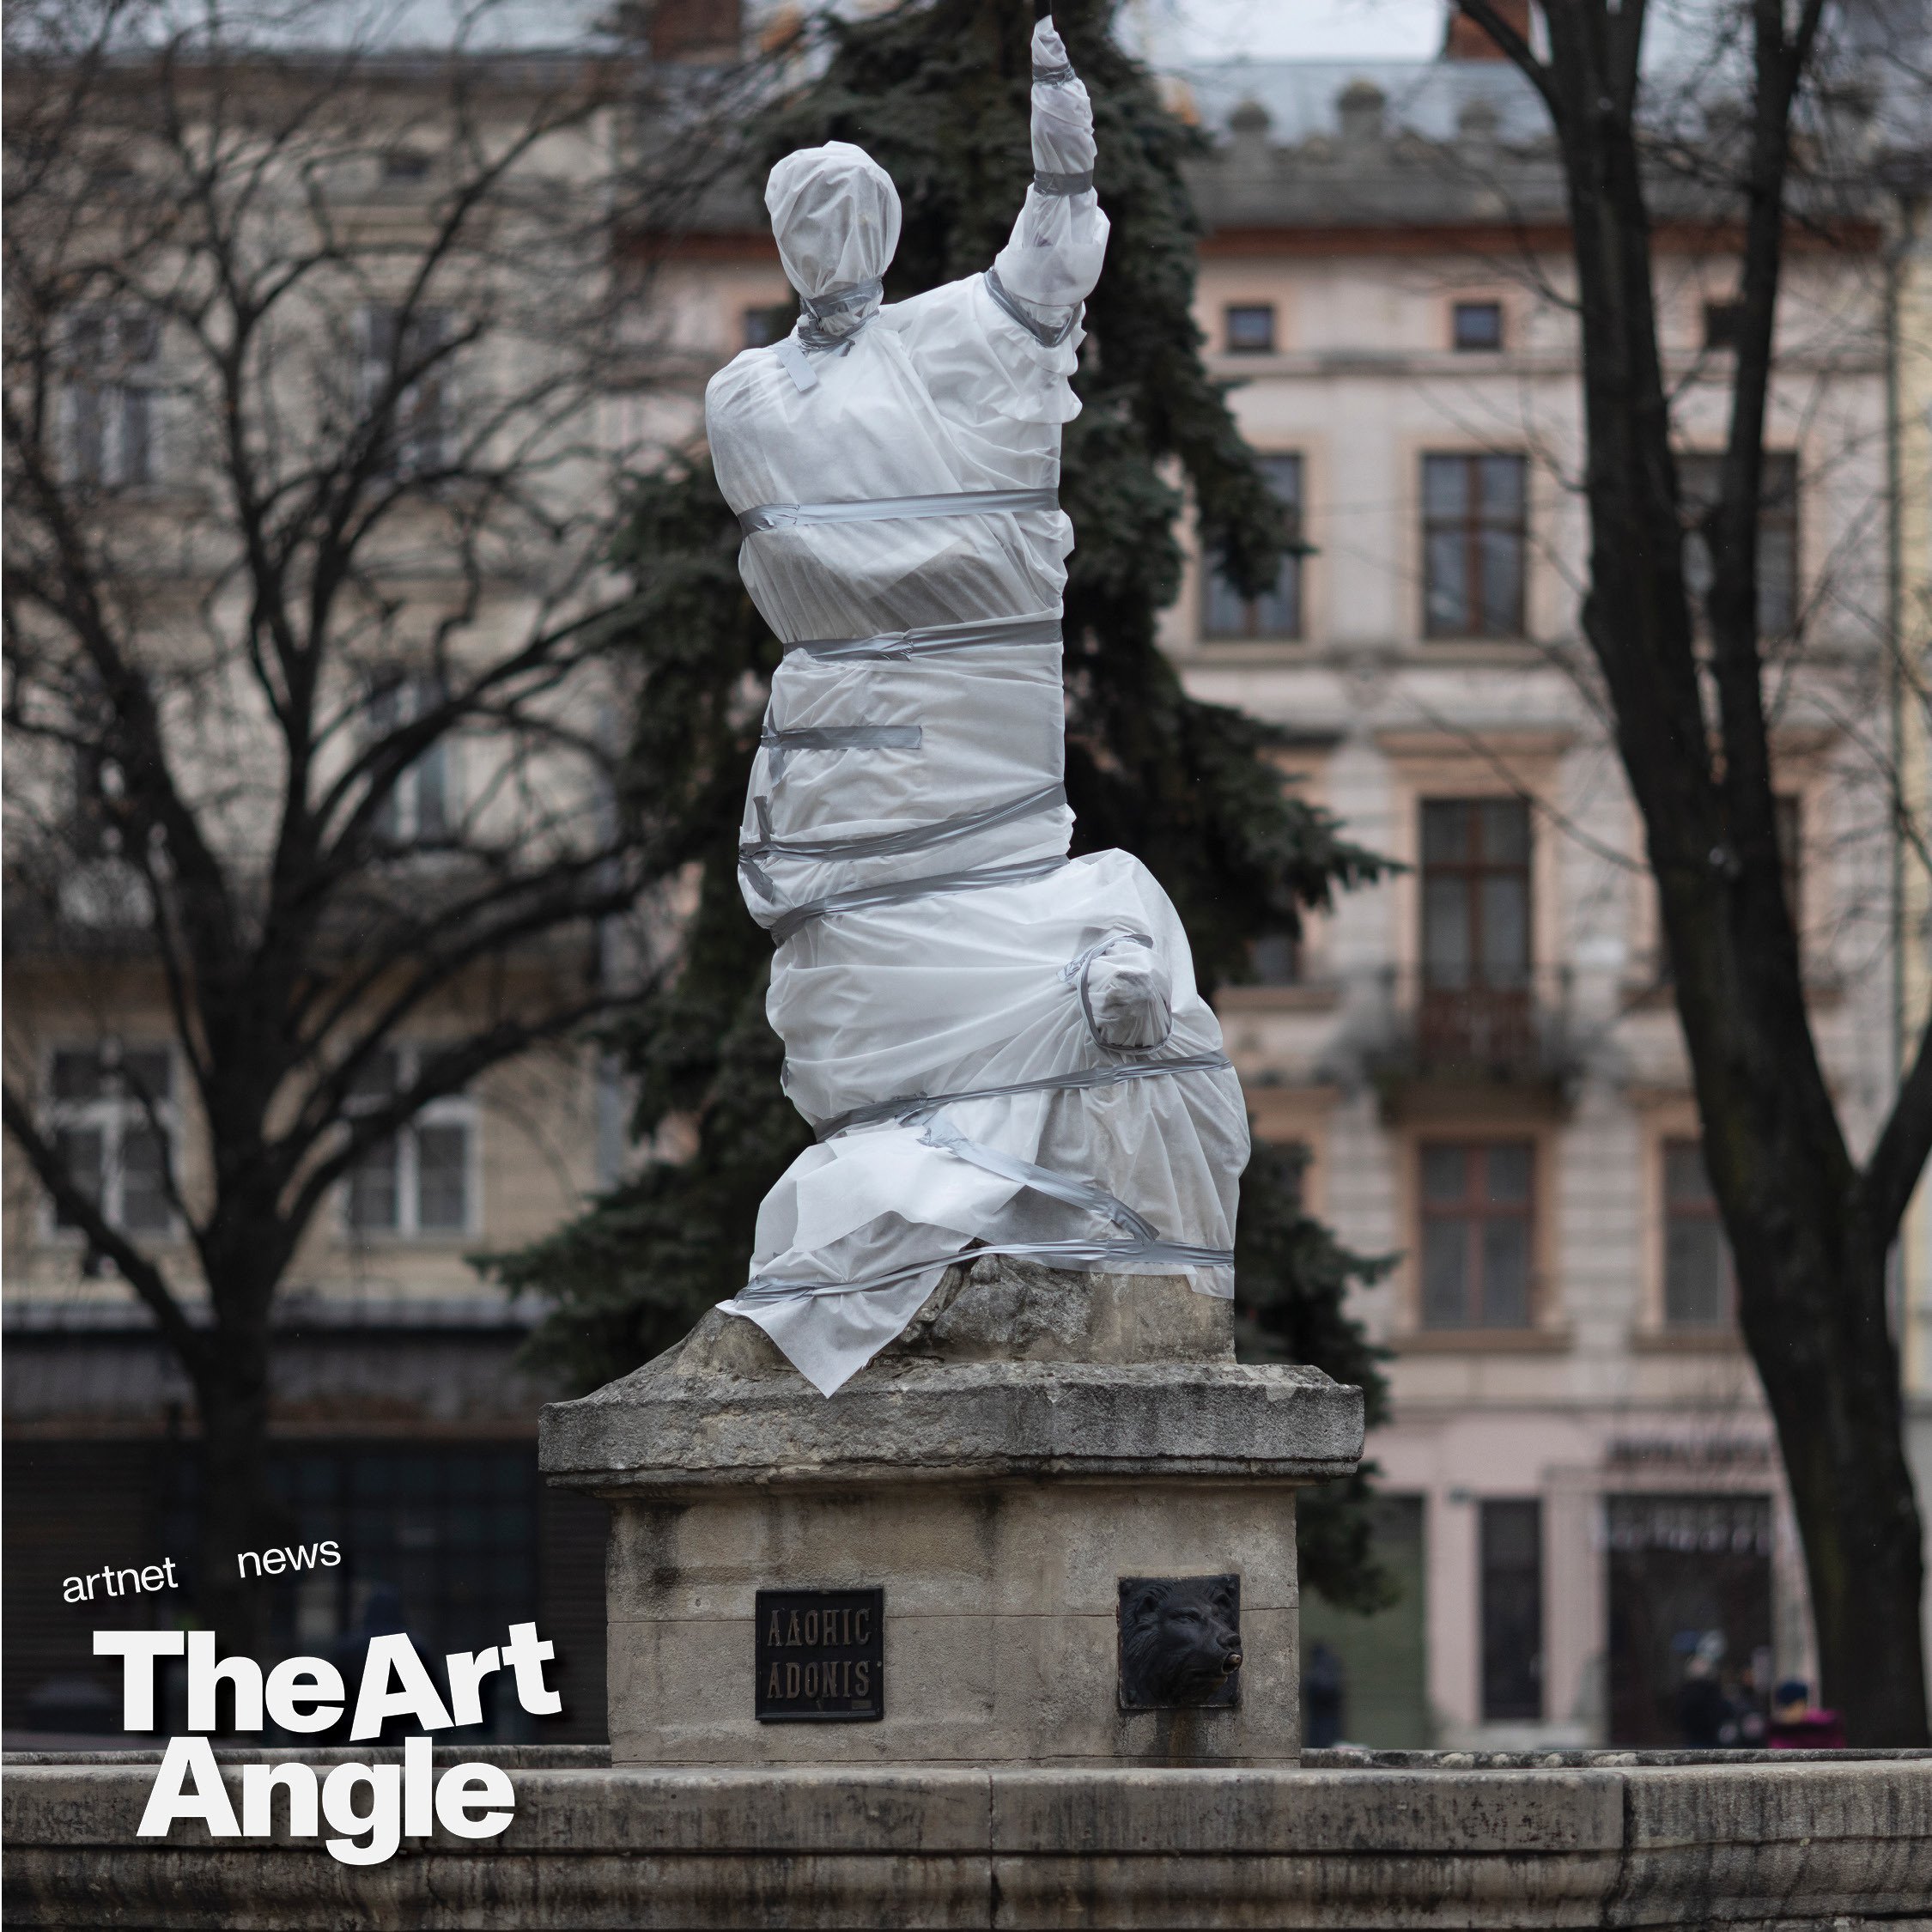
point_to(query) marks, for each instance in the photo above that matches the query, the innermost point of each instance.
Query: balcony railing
(1501, 1029)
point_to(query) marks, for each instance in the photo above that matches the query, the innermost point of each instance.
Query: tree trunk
(238, 1510)
(1812, 1296)
(1854, 1497)
(1822, 1343)
(1811, 1274)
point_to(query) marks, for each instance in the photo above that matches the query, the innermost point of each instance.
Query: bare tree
(313, 722)
(1810, 1226)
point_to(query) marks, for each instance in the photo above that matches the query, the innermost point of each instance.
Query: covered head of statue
(1000, 1049)
(834, 214)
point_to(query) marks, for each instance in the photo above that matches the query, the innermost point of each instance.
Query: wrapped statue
(1001, 1049)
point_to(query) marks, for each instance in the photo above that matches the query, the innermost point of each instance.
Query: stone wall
(1583, 1840)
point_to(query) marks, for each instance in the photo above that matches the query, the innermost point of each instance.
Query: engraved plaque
(821, 1656)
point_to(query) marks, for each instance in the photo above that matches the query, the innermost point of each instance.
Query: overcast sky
(1174, 31)
(1171, 32)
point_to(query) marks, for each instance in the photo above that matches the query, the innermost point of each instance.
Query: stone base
(1001, 1620)
(997, 1503)
(1594, 1839)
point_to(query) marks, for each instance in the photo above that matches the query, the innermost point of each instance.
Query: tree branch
(1518, 50)
(1899, 1156)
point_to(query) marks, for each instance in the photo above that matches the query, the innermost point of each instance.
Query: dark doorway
(1689, 1597)
(1512, 1557)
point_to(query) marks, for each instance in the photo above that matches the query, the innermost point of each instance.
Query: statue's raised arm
(1051, 263)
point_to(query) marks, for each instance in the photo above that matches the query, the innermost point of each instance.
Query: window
(417, 810)
(1475, 1008)
(1475, 892)
(769, 323)
(1277, 612)
(1789, 810)
(1275, 958)
(112, 1113)
(1722, 323)
(405, 349)
(1472, 542)
(1699, 1286)
(1477, 1224)
(110, 397)
(405, 167)
(1512, 1610)
(1250, 329)
(420, 1182)
(93, 785)
(1299, 1156)
(1697, 483)
(1478, 326)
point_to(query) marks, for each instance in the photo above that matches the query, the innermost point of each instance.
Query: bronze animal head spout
(1180, 1642)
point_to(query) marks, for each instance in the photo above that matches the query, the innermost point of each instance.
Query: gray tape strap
(812, 332)
(1050, 183)
(846, 737)
(1076, 971)
(1076, 968)
(911, 1107)
(926, 639)
(884, 509)
(859, 898)
(761, 881)
(796, 364)
(914, 838)
(833, 738)
(1053, 77)
(1075, 1189)
(836, 301)
(1046, 337)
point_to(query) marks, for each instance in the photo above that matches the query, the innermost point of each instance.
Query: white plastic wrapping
(1054, 258)
(835, 225)
(906, 838)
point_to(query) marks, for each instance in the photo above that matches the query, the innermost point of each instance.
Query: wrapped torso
(992, 723)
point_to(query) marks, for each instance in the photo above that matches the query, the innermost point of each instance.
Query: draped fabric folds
(1000, 1046)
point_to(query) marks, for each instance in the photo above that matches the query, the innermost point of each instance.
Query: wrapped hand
(1062, 114)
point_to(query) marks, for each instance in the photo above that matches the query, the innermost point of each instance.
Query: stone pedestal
(1032, 1441)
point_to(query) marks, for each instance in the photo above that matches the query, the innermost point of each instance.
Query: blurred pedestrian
(1796, 1724)
(1703, 1712)
(1322, 1692)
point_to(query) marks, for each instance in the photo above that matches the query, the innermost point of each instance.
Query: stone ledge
(1747, 1845)
(938, 1810)
(656, 1431)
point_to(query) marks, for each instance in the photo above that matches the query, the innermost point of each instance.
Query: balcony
(1512, 1035)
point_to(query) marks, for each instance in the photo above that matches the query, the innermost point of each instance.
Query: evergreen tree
(937, 92)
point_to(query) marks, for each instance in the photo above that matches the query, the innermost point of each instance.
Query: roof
(1424, 97)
